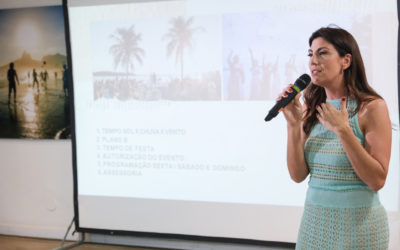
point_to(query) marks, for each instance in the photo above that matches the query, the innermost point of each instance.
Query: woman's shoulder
(372, 104)
(373, 110)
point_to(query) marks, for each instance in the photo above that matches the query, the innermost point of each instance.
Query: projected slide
(169, 90)
(170, 99)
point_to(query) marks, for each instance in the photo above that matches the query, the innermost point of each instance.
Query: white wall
(36, 187)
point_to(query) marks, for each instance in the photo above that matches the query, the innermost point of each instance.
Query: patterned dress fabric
(341, 211)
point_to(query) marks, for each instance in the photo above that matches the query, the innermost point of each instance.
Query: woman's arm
(296, 138)
(296, 162)
(372, 162)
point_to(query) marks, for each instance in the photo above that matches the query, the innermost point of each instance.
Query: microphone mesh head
(303, 81)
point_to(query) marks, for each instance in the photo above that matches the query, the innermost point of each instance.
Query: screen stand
(75, 244)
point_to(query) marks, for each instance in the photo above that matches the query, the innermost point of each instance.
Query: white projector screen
(170, 99)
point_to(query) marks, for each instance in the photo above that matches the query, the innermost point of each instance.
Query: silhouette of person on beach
(65, 79)
(12, 77)
(274, 82)
(45, 76)
(266, 74)
(290, 68)
(236, 77)
(35, 79)
(255, 84)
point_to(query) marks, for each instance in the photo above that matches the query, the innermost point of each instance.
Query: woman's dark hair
(354, 76)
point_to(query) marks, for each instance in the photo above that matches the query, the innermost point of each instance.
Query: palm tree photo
(126, 50)
(180, 37)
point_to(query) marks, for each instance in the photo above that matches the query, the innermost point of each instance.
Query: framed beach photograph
(34, 74)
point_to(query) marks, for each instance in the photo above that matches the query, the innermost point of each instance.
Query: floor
(25, 243)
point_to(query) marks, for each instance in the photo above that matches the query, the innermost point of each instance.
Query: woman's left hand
(333, 119)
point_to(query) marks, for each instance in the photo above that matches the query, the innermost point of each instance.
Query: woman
(341, 136)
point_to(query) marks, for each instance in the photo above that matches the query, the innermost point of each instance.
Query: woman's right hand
(293, 112)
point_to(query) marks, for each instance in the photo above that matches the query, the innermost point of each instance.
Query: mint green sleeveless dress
(341, 211)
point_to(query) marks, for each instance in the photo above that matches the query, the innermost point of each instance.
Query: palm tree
(126, 49)
(181, 37)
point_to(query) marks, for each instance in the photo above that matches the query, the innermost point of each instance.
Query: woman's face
(326, 66)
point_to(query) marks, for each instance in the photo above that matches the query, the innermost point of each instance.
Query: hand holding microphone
(300, 84)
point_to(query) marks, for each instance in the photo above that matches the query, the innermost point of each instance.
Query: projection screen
(170, 99)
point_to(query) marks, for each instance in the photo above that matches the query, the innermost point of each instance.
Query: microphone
(300, 84)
